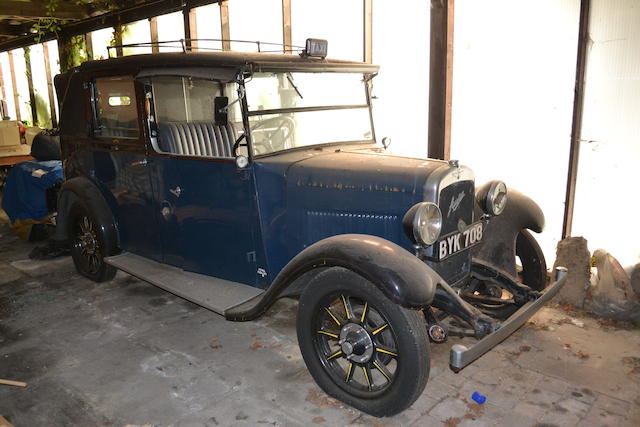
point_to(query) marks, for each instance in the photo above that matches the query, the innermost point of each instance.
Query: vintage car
(233, 179)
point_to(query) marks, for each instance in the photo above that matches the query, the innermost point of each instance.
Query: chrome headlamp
(492, 197)
(423, 223)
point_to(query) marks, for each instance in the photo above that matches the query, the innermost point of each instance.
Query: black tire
(534, 266)
(89, 244)
(389, 365)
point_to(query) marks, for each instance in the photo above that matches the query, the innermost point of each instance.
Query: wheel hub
(356, 343)
(88, 242)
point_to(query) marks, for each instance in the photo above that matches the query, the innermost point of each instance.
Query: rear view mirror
(220, 109)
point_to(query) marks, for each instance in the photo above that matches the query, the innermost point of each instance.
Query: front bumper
(461, 356)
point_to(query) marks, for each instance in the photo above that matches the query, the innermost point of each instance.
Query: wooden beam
(576, 124)
(134, 13)
(440, 79)
(14, 30)
(52, 98)
(38, 9)
(16, 98)
(286, 25)
(224, 24)
(153, 29)
(32, 93)
(368, 31)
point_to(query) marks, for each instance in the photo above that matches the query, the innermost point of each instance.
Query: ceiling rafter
(38, 9)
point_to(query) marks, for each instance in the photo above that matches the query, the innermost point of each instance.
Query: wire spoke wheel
(360, 347)
(355, 344)
(87, 245)
(88, 249)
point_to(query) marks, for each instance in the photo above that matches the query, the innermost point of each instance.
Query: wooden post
(32, 93)
(117, 35)
(286, 26)
(16, 97)
(88, 41)
(153, 28)
(52, 99)
(440, 79)
(190, 27)
(368, 31)
(3, 91)
(576, 124)
(224, 24)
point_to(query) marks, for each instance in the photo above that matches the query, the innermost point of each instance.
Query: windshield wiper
(290, 78)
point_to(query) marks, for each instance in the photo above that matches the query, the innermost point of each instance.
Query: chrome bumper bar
(461, 356)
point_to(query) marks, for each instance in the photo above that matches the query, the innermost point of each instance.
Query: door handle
(142, 162)
(176, 191)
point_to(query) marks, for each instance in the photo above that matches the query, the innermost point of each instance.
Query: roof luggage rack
(192, 45)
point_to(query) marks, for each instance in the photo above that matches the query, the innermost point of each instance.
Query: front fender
(498, 247)
(401, 276)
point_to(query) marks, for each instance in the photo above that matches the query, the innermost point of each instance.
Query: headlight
(423, 223)
(492, 197)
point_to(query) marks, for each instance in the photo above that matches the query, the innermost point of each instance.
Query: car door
(208, 215)
(119, 163)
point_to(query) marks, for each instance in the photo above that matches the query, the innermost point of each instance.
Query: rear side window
(116, 115)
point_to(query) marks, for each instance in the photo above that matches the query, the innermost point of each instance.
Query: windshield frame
(246, 113)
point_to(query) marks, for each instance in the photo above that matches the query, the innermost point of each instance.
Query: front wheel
(360, 347)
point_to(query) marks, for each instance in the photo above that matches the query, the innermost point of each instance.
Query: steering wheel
(273, 134)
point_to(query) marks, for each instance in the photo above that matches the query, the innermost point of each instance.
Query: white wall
(401, 48)
(607, 194)
(514, 72)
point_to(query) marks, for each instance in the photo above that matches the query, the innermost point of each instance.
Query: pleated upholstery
(197, 139)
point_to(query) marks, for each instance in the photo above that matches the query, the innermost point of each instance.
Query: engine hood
(379, 177)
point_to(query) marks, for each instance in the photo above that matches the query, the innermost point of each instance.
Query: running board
(209, 292)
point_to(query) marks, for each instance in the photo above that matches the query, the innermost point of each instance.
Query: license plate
(456, 242)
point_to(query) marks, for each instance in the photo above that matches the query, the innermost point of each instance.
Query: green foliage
(42, 107)
(48, 24)
(73, 52)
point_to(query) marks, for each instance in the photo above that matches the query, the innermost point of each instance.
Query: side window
(185, 116)
(116, 114)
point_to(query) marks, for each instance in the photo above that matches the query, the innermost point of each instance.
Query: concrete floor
(127, 353)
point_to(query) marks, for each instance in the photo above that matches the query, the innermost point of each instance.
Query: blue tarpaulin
(24, 192)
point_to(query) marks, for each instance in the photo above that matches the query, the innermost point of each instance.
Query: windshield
(288, 110)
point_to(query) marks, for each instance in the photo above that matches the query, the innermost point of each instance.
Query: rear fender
(81, 188)
(401, 276)
(498, 247)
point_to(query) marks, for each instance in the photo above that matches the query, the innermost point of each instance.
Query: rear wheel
(88, 244)
(359, 346)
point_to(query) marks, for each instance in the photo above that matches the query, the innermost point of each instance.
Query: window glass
(185, 116)
(288, 90)
(116, 112)
(338, 102)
